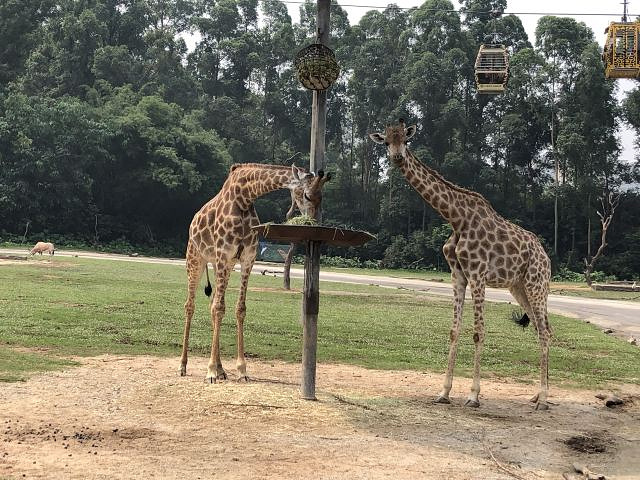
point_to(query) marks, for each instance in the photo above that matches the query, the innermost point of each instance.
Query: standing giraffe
(484, 250)
(221, 233)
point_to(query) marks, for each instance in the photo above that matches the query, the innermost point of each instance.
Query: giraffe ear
(325, 178)
(377, 137)
(410, 131)
(297, 173)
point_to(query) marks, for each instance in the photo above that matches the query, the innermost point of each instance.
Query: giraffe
(483, 250)
(296, 201)
(221, 233)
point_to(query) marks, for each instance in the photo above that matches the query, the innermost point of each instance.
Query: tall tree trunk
(589, 226)
(287, 267)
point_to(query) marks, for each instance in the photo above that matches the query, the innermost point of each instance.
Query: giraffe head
(306, 191)
(395, 138)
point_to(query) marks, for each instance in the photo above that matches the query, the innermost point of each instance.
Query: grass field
(574, 289)
(74, 306)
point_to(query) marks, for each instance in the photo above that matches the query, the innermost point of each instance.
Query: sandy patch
(134, 417)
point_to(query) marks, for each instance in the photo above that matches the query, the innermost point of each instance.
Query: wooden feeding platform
(315, 233)
(313, 236)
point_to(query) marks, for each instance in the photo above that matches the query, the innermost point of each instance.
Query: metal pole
(311, 289)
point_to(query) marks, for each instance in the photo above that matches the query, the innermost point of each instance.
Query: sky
(577, 9)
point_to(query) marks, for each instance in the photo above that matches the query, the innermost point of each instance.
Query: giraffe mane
(452, 185)
(236, 166)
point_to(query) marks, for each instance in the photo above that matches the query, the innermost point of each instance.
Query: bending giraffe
(221, 233)
(484, 250)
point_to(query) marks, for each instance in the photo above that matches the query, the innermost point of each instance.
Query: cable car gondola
(620, 53)
(492, 67)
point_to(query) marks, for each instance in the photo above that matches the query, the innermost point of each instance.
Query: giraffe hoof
(442, 399)
(210, 380)
(472, 403)
(542, 406)
(243, 379)
(183, 371)
(221, 376)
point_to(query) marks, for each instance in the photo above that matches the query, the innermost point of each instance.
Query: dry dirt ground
(121, 417)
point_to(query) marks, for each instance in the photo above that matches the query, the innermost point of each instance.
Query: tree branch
(609, 204)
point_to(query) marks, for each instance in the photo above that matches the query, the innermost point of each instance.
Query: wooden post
(311, 289)
(319, 106)
(310, 309)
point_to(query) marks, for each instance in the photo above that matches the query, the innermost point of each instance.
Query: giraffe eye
(306, 197)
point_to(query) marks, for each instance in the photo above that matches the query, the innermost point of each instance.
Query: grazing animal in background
(484, 250)
(221, 233)
(41, 247)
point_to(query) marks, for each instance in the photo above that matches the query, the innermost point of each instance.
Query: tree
(20, 31)
(102, 100)
(609, 204)
(46, 149)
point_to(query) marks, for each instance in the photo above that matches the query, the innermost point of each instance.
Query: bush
(566, 275)
(421, 250)
(602, 277)
(171, 247)
(342, 262)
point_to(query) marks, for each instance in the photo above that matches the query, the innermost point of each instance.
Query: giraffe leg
(459, 282)
(195, 267)
(517, 291)
(241, 311)
(538, 300)
(214, 369)
(520, 295)
(477, 291)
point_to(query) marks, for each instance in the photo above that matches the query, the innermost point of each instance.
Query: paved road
(621, 316)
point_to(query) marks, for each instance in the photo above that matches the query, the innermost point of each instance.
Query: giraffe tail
(523, 320)
(207, 289)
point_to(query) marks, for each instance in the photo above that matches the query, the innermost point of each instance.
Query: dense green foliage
(112, 128)
(88, 307)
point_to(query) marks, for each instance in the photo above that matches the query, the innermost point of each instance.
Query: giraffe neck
(248, 182)
(452, 202)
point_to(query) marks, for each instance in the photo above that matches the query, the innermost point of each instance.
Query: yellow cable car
(620, 54)
(492, 68)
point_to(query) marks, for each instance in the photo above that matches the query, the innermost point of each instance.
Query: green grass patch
(16, 365)
(79, 306)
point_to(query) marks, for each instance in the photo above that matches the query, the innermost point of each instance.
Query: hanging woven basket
(316, 67)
